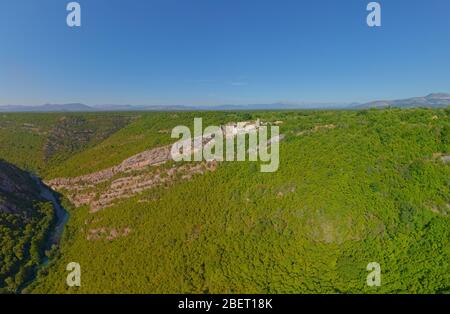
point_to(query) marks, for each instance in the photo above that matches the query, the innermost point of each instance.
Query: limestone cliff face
(132, 176)
(143, 171)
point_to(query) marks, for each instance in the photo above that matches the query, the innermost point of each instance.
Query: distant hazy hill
(230, 107)
(278, 106)
(75, 107)
(432, 100)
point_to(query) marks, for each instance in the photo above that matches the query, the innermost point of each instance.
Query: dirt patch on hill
(316, 129)
(106, 234)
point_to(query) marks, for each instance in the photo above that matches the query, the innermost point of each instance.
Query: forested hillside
(37, 142)
(26, 219)
(353, 187)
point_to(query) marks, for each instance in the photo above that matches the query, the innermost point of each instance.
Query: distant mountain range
(77, 107)
(432, 101)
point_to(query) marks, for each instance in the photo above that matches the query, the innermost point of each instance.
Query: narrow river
(62, 216)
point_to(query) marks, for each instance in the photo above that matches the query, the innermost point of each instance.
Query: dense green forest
(353, 187)
(26, 221)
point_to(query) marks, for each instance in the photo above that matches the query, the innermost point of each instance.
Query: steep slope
(352, 188)
(38, 141)
(141, 172)
(26, 221)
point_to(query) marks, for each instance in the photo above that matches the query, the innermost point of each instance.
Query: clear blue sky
(209, 52)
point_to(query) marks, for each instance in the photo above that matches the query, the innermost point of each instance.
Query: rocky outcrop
(141, 172)
(137, 162)
(102, 189)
